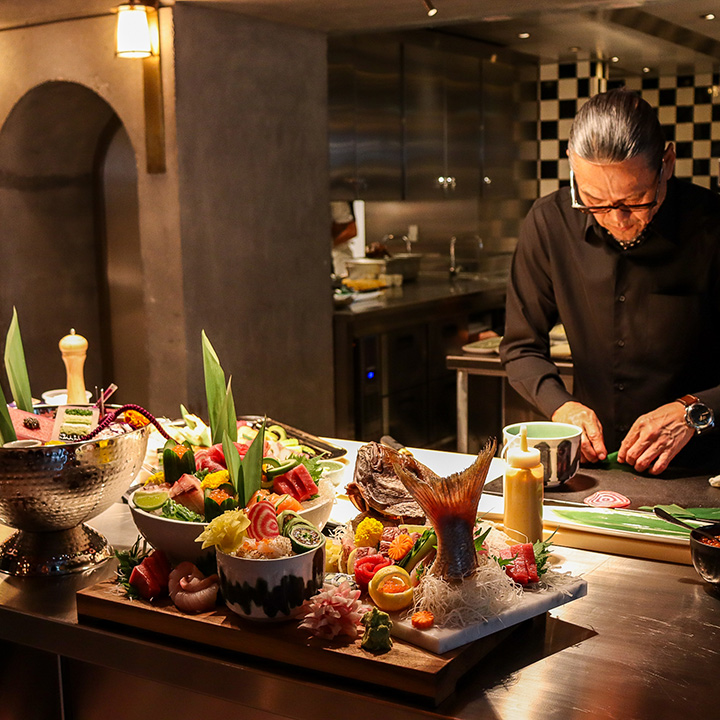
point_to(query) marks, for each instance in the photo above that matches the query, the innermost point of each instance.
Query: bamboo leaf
(252, 465)
(234, 466)
(16, 368)
(219, 398)
(640, 523)
(7, 431)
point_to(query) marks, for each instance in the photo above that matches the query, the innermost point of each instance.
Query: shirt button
(621, 343)
(620, 386)
(621, 298)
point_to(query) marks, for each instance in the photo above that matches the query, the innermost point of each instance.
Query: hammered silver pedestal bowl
(48, 492)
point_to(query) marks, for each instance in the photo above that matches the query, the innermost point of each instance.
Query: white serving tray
(441, 640)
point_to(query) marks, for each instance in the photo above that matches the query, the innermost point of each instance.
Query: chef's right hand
(593, 445)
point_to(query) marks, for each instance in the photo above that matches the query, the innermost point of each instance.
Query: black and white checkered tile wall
(688, 108)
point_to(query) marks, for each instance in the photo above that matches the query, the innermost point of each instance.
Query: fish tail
(457, 495)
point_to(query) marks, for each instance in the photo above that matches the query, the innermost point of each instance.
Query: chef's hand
(656, 438)
(592, 446)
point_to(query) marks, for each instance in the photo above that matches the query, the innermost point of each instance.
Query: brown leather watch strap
(687, 400)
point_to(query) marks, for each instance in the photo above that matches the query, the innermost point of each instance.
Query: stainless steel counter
(644, 643)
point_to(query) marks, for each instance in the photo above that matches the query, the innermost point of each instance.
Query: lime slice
(150, 500)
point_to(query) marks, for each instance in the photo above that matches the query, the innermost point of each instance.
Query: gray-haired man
(628, 259)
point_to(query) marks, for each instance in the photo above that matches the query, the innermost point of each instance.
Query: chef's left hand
(655, 439)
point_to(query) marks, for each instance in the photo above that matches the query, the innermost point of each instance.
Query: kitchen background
(231, 234)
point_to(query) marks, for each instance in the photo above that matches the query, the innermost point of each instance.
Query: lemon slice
(150, 500)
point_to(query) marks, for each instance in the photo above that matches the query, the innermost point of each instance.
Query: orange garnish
(394, 585)
(219, 495)
(422, 620)
(400, 546)
(135, 420)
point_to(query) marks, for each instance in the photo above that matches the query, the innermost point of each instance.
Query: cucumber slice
(286, 518)
(304, 537)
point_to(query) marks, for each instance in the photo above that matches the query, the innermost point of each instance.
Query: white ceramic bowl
(333, 470)
(270, 590)
(176, 538)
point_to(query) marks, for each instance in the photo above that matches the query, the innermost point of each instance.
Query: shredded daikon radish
(484, 594)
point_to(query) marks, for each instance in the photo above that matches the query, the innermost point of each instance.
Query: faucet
(403, 238)
(454, 267)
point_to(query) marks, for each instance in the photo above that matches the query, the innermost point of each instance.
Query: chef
(628, 259)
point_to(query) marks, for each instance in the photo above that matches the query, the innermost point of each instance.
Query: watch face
(700, 416)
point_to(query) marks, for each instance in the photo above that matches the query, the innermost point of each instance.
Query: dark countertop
(642, 645)
(682, 486)
(427, 289)
(428, 294)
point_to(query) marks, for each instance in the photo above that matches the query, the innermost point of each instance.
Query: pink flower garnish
(335, 610)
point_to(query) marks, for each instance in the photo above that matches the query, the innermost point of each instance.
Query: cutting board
(406, 667)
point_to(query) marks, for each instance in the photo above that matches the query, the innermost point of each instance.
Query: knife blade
(393, 444)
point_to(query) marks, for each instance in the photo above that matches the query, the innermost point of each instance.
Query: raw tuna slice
(522, 569)
(296, 482)
(29, 426)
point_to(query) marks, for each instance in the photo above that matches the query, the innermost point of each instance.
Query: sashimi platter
(234, 545)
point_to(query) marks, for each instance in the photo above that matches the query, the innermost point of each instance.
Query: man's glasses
(600, 209)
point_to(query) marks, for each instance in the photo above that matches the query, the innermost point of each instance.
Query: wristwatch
(698, 415)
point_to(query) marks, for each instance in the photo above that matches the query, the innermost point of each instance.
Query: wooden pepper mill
(74, 351)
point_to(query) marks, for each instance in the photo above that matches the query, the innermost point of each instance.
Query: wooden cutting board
(406, 667)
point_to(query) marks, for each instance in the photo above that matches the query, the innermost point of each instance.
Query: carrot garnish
(422, 619)
(400, 546)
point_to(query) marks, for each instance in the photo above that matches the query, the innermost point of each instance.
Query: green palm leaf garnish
(7, 431)
(16, 368)
(221, 407)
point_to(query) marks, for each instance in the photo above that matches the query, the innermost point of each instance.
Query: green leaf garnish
(16, 368)
(7, 430)
(252, 467)
(235, 468)
(541, 548)
(127, 560)
(638, 522)
(479, 538)
(221, 407)
(687, 513)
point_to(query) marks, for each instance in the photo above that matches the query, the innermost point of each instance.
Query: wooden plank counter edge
(406, 667)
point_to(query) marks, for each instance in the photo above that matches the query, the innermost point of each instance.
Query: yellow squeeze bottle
(523, 491)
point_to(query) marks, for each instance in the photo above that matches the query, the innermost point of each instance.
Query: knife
(393, 444)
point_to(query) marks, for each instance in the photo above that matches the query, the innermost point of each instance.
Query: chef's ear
(669, 160)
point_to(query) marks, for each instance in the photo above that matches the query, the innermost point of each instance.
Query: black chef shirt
(643, 323)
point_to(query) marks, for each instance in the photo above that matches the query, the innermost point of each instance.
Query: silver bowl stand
(93, 475)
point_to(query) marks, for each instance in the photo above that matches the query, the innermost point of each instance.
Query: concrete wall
(81, 53)
(233, 236)
(252, 152)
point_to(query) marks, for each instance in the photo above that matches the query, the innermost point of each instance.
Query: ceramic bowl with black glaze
(706, 558)
(270, 590)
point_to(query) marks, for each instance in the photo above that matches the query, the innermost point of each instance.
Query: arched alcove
(69, 238)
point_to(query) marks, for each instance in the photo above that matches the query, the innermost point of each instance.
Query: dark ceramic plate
(706, 558)
(321, 447)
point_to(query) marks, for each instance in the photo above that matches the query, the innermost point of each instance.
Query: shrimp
(191, 591)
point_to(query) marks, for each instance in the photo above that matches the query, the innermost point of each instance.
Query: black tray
(321, 447)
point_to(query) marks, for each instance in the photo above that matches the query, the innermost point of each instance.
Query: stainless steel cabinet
(442, 97)
(365, 119)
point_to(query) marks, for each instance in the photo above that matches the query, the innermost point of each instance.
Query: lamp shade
(133, 32)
